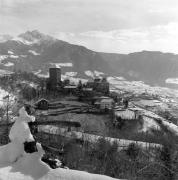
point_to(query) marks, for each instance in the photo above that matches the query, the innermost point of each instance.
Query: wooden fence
(85, 137)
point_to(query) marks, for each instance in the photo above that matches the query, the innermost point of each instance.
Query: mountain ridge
(35, 51)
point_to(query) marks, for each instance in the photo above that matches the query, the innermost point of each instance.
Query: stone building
(54, 78)
(104, 103)
(99, 85)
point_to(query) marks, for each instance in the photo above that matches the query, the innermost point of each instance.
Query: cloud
(85, 15)
(150, 33)
(156, 38)
(102, 25)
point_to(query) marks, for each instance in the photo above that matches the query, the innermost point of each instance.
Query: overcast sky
(120, 26)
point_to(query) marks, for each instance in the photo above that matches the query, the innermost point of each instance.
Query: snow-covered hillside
(16, 164)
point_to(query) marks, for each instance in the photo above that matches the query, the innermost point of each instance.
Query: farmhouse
(42, 104)
(70, 89)
(104, 103)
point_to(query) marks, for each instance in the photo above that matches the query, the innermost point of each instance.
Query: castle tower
(54, 77)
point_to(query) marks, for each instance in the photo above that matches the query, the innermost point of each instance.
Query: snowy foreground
(16, 164)
(30, 167)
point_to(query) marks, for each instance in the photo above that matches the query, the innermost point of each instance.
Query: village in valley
(99, 110)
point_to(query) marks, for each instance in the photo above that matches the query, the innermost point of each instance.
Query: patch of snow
(94, 74)
(59, 65)
(10, 52)
(34, 52)
(172, 81)
(71, 74)
(25, 41)
(17, 39)
(98, 74)
(14, 56)
(148, 124)
(32, 84)
(172, 127)
(37, 72)
(9, 64)
(89, 73)
(5, 72)
(115, 79)
(146, 113)
(11, 152)
(43, 75)
(3, 57)
(151, 103)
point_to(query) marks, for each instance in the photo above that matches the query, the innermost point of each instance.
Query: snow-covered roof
(104, 97)
(8, 64)
(70, 87)
(43, 99)
(103, 101)
(109, 100)
(87, 89)
(34, 52)
(126, 114)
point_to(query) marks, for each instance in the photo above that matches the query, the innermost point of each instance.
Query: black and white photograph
(88, 89)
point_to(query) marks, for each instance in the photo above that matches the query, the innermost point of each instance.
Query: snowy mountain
(35, 37)
(36, 52)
